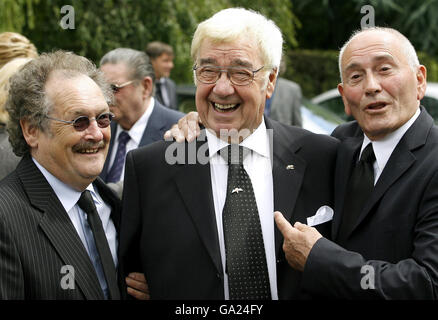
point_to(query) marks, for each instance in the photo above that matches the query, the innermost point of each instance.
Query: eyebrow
(81, 112)
(378, 58)
(236, 62)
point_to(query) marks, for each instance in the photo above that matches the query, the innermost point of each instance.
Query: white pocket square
(324, 214)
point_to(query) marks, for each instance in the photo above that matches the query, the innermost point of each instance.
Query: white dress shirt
(383, 148)
(69, 198)
(258, 165)
(135, 133)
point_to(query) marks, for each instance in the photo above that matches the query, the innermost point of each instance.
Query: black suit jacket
(171, 92)
(161, 119)
(397, 231)
(37, 238)
(168, 228)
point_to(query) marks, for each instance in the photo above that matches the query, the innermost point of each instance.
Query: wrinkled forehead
(240, 52)
(64, 92)
(373, 45)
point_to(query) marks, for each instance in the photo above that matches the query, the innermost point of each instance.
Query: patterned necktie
(360, 186)
(100, 252)
(246, 266)
(119, 160)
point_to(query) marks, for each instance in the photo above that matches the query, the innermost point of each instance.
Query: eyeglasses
(238, 76)
(83, 122)
(117, 87)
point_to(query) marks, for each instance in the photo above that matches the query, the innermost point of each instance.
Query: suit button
(218, 275)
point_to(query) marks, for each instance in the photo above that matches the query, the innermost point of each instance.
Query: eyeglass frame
(221, 69)
(72, 123)
(116, 87)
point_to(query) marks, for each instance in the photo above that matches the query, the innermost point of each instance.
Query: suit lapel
(155, 126)
(58, 228)
(200, 203)
(286, 181)
(402, 158)
(347, 156)
(106, 164)
(399, 162)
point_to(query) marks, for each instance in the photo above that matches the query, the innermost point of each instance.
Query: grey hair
(27, 98)
(235, 23)
(137, 61)
(407, 47)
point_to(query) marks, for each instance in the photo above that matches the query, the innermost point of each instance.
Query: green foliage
(102, 25)
(328, 24)
(314, 70)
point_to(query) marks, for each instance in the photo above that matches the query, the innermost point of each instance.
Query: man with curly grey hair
(58, 222)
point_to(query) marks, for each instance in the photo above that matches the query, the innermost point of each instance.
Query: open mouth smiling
(225, 107)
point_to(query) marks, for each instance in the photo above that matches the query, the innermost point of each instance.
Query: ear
(421, 81)
(30, 133)
(271, 83)
(346, 105)
(148, 85)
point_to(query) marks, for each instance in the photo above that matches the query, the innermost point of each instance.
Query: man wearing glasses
(203, 227)
(58, 222)
(140, 118)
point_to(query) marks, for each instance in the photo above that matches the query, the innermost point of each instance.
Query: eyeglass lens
(82, 123)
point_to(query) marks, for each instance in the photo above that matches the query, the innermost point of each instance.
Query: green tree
(102, 25)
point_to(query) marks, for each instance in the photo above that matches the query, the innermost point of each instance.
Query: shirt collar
(137, 130)
(383, 148)
(66, 194)
(258, 141)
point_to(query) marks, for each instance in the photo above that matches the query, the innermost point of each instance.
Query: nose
(223, 86)
(94, 132)
(372, 84)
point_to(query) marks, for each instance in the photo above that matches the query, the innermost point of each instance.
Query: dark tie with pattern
(360, 186)
(119, 160)
(246, 266)
(86, 203)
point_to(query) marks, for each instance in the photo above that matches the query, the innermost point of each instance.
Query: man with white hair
(203, 227)
(385, 227)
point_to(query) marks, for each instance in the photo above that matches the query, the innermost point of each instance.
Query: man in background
(285, 103)
(161, 56)
(140, 119)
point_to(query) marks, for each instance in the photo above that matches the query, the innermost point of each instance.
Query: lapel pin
(290, 167)
(237, 190)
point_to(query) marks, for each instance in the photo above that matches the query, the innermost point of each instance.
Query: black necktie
(246, 266)
(360, 186)
(86, 203)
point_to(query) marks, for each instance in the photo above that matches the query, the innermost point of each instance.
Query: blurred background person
(140, 118)
(15, 51)
(285, 103)
(161, 56)
(8, 159)
(14, 45)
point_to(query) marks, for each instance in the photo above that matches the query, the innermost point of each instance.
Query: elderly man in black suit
(58, 222)
(141, 119)
(199, 223)
(385, 229)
